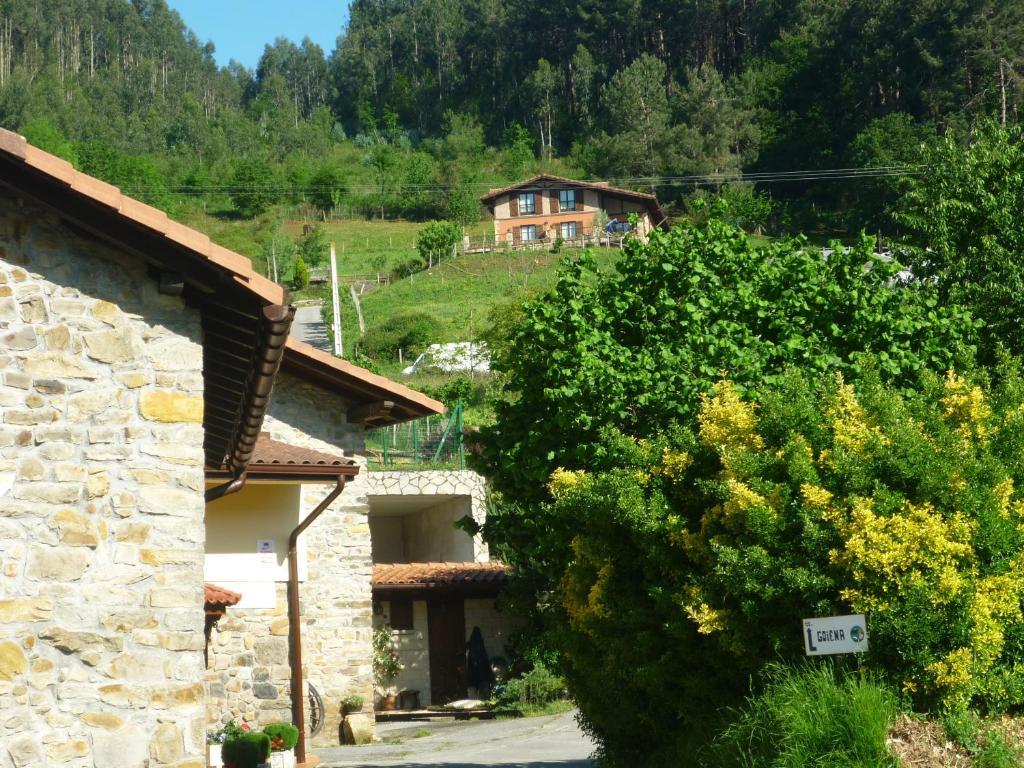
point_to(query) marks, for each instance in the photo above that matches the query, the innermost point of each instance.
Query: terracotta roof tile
(218, 598)
(438, 574)
(271, 452)
(152, 218)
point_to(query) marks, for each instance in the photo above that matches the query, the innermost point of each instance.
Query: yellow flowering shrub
(965, 405)
(727, 421)
(696, 556)
(884, 555)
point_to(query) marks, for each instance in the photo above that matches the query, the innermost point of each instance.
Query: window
(401, 613)
(528, 232)
(568, 230)
(527, 203)
(567, 200)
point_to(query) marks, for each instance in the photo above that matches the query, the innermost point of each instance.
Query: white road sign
(835, 634)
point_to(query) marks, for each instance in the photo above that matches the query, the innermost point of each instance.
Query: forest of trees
(423, 103)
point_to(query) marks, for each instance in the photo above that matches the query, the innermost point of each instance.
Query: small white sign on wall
(835, 634)
(265, 551)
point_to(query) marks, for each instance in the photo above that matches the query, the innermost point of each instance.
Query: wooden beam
(360, 414)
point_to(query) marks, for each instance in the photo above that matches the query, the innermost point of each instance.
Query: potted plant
(351, 704)
(386, 666)
(215, 742)
(250, 750)
(283, 738)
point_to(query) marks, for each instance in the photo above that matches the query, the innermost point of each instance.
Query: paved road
(536, 742)
(308, 327)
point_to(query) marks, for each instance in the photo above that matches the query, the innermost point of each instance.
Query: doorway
(446, 627)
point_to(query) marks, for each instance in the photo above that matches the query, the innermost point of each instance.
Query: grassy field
(364, 247)
(460, 293)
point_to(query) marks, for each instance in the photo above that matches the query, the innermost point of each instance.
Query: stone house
(138, 360)
(546, 207)
(433, 583)
(313, 432)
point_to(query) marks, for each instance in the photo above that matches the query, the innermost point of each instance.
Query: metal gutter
(275, 323)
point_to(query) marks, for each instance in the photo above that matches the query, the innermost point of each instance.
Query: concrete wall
(431, 536)
(388, 537)
(433, 483)
(101, 506)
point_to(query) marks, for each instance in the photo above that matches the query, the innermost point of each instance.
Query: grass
(461, 293)
(807, 716)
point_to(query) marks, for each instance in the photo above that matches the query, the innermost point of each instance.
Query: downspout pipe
(294, 628)
(231, 486)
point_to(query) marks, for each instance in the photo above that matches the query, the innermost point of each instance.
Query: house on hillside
(141, 450)
(545, 207)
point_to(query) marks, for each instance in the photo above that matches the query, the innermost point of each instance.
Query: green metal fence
(434, 442)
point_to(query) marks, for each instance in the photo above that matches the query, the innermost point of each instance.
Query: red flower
(245, 727)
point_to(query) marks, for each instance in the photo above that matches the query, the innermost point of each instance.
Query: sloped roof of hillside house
(245, 316)
(375, 400)
(548, 180)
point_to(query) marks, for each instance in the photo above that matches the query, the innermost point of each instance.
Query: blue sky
(240, 28)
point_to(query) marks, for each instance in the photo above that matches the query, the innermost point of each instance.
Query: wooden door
(446, 633)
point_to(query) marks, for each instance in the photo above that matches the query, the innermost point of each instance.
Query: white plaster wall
(431, 536)
(413, 650)
(388, 537)
(495, 625)
(234, 524)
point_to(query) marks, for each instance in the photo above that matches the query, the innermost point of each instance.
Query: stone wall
(437, 483)
(248, 675)
(335, 599)
(101, 506)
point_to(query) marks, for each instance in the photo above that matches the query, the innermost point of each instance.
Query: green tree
(43, 134)
(965, 229)
(437, 239)
(328, 187)
(638, 347)
(636, 110)
(254, 188)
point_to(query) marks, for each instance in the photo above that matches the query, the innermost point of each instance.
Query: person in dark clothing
(479, 674)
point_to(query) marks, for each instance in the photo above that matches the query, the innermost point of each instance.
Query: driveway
(536, 742)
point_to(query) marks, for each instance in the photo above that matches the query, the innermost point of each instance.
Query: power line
(696, 180)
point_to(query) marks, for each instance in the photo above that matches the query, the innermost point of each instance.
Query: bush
(536, 688)
(412, 332)
(247, 750)
(704, 549)
(810, 716)
(301, 274)
(283, 736)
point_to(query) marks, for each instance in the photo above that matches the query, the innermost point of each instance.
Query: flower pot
(387, 703)
(282, 759)
(213, 758)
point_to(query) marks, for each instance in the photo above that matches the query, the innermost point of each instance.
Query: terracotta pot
(387, 703)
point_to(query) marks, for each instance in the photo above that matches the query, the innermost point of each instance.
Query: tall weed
(809, 716)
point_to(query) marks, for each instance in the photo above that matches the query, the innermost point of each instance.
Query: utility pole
(339, 348)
